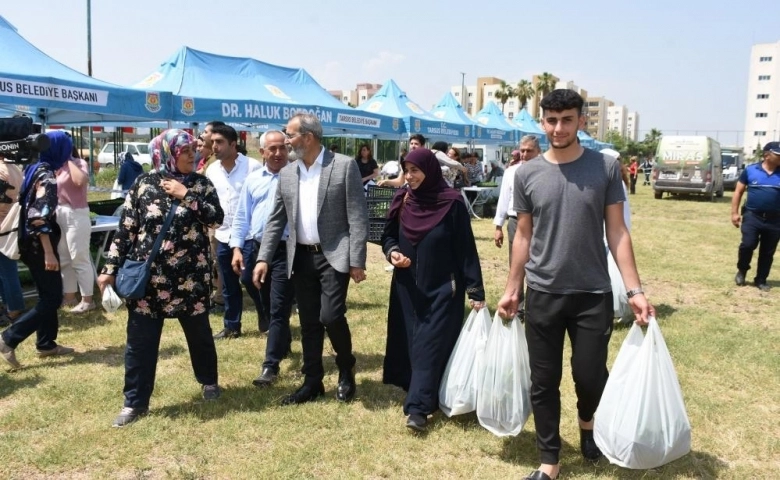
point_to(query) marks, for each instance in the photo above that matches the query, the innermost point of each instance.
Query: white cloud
(382, 60)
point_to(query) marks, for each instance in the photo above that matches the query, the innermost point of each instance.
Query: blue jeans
(763, 233)
(231, 287)
(143, 349)
(277, 298)
(42, 318)
(10, 288)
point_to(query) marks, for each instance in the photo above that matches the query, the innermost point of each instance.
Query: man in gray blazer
(321, 195)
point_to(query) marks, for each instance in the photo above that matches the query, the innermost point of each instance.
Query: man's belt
(315, 248)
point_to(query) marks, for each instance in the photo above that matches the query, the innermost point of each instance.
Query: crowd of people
(293, 229)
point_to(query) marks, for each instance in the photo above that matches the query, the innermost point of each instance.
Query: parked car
(139, 151)
(688, 164)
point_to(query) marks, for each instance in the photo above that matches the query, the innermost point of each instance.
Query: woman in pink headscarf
(180, 274)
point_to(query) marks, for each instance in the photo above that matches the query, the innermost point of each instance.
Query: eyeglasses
(290, 136)
(526, 150)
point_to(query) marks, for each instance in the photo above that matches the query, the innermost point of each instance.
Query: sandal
(83, 307)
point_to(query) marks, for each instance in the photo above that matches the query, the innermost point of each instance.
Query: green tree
(545, 84)
(504, 93)
(524, 91)
(651, 141)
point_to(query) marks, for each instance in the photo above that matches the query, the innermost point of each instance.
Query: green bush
(105, 177)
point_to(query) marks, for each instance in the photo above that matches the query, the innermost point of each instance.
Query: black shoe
(588, 446)
(418, 423)
(346, 389)
(763, 287)
(265, 379)
(217, 308)
(211, 392)
(227, 333)
(739, 278)
(538, 475)
(129, 415)
(306, 393)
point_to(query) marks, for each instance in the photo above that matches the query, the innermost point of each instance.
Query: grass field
(55, 414)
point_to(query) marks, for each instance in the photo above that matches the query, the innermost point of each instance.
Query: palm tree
(504, 93)
(545, 84)
(524, 91)
(651, 139)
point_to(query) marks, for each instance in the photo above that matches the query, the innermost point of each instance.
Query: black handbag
(133, 276)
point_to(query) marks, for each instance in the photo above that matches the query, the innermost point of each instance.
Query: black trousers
(143, 348)
(276, 298)
(321, 292)
(763, 233)
(587, 317)
(633, 179)
(42, 318)
(511, 229)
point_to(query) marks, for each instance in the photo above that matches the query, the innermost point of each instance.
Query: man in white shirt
(228, 174)
(527, 149)
(321, 196)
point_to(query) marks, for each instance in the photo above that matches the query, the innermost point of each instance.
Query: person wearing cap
(760, 217)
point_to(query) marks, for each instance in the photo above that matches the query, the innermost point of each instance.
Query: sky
(683, 65)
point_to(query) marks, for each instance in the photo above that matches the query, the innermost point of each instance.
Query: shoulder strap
(159, 239)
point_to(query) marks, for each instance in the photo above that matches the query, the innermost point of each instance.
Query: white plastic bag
(641, 421)
(116, 190)
(111, 301)
(504, 397)
(458, 390)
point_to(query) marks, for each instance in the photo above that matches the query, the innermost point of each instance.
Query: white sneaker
(83, 307)
(389, 268)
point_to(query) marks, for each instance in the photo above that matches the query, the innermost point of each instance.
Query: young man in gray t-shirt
(564, 199)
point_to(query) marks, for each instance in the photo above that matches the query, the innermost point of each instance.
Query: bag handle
(159, 239)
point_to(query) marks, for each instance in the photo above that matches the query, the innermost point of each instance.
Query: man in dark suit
(321, 195)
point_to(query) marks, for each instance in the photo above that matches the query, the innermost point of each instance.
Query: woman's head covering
(124, 157)
(421, 209)
(165, 149)
(440, 146)
(58, 153)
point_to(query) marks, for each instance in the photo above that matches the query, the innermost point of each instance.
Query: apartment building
(362, 93)
(762, 113)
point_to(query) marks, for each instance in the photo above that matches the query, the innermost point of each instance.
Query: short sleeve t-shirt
(366, 169)
(567, 203)
(763, 189)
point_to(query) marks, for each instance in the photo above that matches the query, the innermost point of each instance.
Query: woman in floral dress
(180, 274)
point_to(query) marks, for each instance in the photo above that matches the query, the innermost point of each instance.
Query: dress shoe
(346, 389)
(418, 423)
(211, 392)
(227, 333)
(739, 278)
(538, 475)
(306, 393)
(588, 446)
(763, 287)
(58, 350)
(265, 379)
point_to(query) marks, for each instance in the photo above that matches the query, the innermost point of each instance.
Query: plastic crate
(375, 229)
(105, 207)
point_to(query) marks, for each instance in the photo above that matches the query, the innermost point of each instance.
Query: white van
(139, 151)
(688, 164)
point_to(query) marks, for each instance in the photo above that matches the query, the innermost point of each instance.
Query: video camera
(20, 140)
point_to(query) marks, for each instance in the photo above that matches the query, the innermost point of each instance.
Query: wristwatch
(634, 291)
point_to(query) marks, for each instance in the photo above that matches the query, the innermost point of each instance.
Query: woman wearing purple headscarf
(428, 239)
(39, 235)
(180, 274)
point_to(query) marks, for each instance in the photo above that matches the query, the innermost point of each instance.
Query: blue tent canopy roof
(245, 90)
(585, 139)
(528, 126)
(390, 100)
(492, 125)
(30, 81)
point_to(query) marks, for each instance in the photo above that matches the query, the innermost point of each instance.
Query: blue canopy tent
(449, 110)
(241, 90)
(32, 82)
(586, 140)
(528, 126)
(391, 101)
(493, 127)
